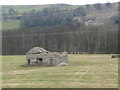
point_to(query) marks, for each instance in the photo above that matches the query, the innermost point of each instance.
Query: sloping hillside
(61, 27)
(96, 14)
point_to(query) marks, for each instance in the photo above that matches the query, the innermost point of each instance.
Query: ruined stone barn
(42, 57)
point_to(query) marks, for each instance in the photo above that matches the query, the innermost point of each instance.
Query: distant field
(23, 8)
(10, 24)
(84, 71)
(26, 8)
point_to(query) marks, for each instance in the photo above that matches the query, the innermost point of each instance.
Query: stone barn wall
(47, 59)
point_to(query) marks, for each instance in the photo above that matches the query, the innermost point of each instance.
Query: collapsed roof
(37, 50)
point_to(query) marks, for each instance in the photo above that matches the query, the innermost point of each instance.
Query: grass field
(10, 24)
(27, 8)
(84, 71)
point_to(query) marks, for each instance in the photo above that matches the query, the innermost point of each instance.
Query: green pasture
(84, 71)
(10, 25)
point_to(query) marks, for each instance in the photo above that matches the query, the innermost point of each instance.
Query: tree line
(88, 40)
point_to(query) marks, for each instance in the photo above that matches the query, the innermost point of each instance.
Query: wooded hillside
(61, 27)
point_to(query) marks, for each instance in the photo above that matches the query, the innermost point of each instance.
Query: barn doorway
(28, 61)
(51, 62)
(39, 61)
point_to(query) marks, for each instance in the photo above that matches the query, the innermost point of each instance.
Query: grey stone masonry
(41, 57)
